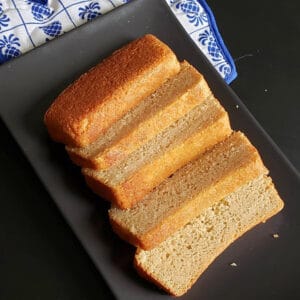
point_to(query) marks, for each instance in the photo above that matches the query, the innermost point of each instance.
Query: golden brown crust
(124, 234)
(183, 101)
(99, 97)
(98, 188)
(79, 159)
(104, 190)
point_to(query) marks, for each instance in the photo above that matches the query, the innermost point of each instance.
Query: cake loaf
(178, 262)
(87, 108)
(180, 198)
(128, 182)
(167, 104)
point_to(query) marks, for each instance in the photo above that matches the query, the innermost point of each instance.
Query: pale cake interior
(186, 183)
(177, 262)
(197, 119)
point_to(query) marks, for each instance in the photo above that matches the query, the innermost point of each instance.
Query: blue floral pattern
(25, 24)
(225, 69)
(53, 29)
(4, 19)
(89, 12)
(208, 39)
(9, 47)
(40, 10)
(192, 10)
(198, 20)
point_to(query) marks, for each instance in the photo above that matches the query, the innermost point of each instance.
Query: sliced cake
(180, 198)
(167, 104)
(128, 182)
(89, 106)
(178, 262)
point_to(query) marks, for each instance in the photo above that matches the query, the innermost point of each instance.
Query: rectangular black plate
(267, 268)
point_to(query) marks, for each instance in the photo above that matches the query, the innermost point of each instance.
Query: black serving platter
(267, 269)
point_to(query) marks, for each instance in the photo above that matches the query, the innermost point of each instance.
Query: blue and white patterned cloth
(26, 24)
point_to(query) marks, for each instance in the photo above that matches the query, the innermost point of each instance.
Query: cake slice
(177, 263)
(88, 107)
(167, 104)
(180, 198)
(128, 182)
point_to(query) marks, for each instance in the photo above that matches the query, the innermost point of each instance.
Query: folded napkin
(26, 24)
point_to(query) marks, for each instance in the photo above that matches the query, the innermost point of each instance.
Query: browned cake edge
(100, 189)
(106, 158)
(79, 129)
(80, 160)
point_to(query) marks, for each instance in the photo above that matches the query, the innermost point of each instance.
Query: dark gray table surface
(40, 258)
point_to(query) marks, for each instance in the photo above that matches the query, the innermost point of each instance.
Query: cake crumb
(237, 106)
(275, 235)
(233, 264)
